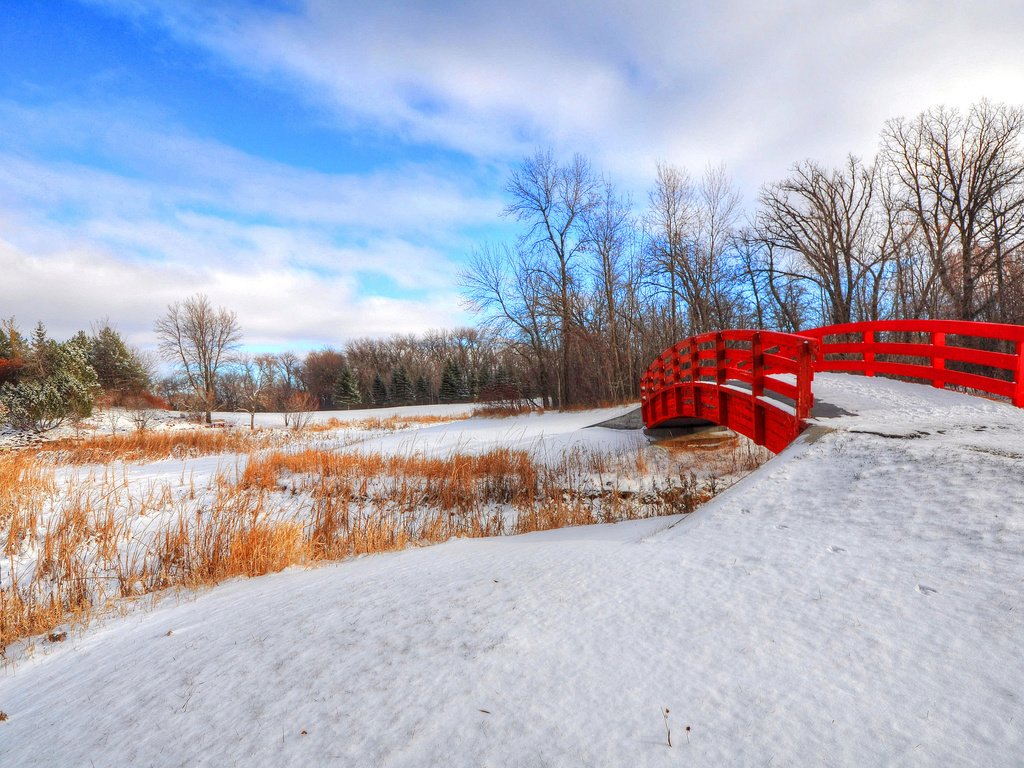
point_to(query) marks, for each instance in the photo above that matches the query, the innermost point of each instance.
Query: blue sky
(323, 168)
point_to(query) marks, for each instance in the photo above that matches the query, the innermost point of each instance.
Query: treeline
(45, 383)
(594, 286)
(443, 366)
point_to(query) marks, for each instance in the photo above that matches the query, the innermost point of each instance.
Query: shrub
(67, 389)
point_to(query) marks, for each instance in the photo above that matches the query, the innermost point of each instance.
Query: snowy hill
(856, 601)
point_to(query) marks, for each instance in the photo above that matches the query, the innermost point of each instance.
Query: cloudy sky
(323, 167)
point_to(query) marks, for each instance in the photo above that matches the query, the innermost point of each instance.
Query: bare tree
(669, 224)
(200, 340)
(252, 384)
(298, 410)
(500, 285)
(828, 219)
(553, 200)
(778, 292)
(610, 230)
(961, 178)
(710, 278)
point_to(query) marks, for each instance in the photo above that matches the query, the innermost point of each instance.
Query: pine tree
(59, 384)
(13, 351)
(379, 392)
(424, 393)
(454, 388)
(346, 390)
(118, 367)
(401, 387)
(484, 378)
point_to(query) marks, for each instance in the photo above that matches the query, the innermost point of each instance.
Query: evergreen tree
(402, 392)
(424, 392)
(13, 352)
(379, 392)
(484, 379)
(454, 388)
(58, 384)
(118, 367)
(346, 390)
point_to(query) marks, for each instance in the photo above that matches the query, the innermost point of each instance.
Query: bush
(66, 389)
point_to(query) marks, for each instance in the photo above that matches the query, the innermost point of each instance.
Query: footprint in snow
(926, 590)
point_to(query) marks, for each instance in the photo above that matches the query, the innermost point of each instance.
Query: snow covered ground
(856, 601)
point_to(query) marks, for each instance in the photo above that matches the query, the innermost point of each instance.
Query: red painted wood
(733, 377)
(937, 352)
(867, 351)
(1018, 377)
(716, 366)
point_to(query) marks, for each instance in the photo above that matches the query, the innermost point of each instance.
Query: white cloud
(277, 308)
(304, 257)
(758, 85)
(154, 213)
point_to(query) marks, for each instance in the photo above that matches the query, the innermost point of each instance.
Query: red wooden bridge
(760, 383)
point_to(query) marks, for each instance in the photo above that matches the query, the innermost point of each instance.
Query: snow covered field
(856, 601)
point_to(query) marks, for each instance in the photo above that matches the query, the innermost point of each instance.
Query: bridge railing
(757, 383)
(923, 349)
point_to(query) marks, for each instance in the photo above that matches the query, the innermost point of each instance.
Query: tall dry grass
(392, 423)
(96, 536)
(155, 445)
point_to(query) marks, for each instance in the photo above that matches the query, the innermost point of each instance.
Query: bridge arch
(760, 383)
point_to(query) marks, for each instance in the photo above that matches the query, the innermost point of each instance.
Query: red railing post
(720, 377)
(938, 363)
(869, 353)
(804, 377)
(662, 379)
(757, 386)
(1018, 377)
(681, 352)
(695, 375)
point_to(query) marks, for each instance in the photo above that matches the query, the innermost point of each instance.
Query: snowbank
(857, 601)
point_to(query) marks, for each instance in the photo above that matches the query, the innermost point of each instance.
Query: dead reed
(392, 423)
(154, 445)
(73, 546)
(505, 410)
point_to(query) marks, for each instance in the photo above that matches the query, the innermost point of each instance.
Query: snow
(453, 411)
(856, 601)
(546, 436)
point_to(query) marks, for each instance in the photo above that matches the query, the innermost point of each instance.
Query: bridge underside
(768, 421)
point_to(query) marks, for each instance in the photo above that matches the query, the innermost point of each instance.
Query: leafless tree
(779, 294)
(499, 284)
(961, 178)
(298, 410)
(200, 340)
(552, 200)
(829, 221)
(253, 384)
(610, 229)
(669, 226)
(710, 277)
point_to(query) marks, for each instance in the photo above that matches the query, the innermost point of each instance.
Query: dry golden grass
(154, 445)
(382, 423)
(505, 410)
(76, 545)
